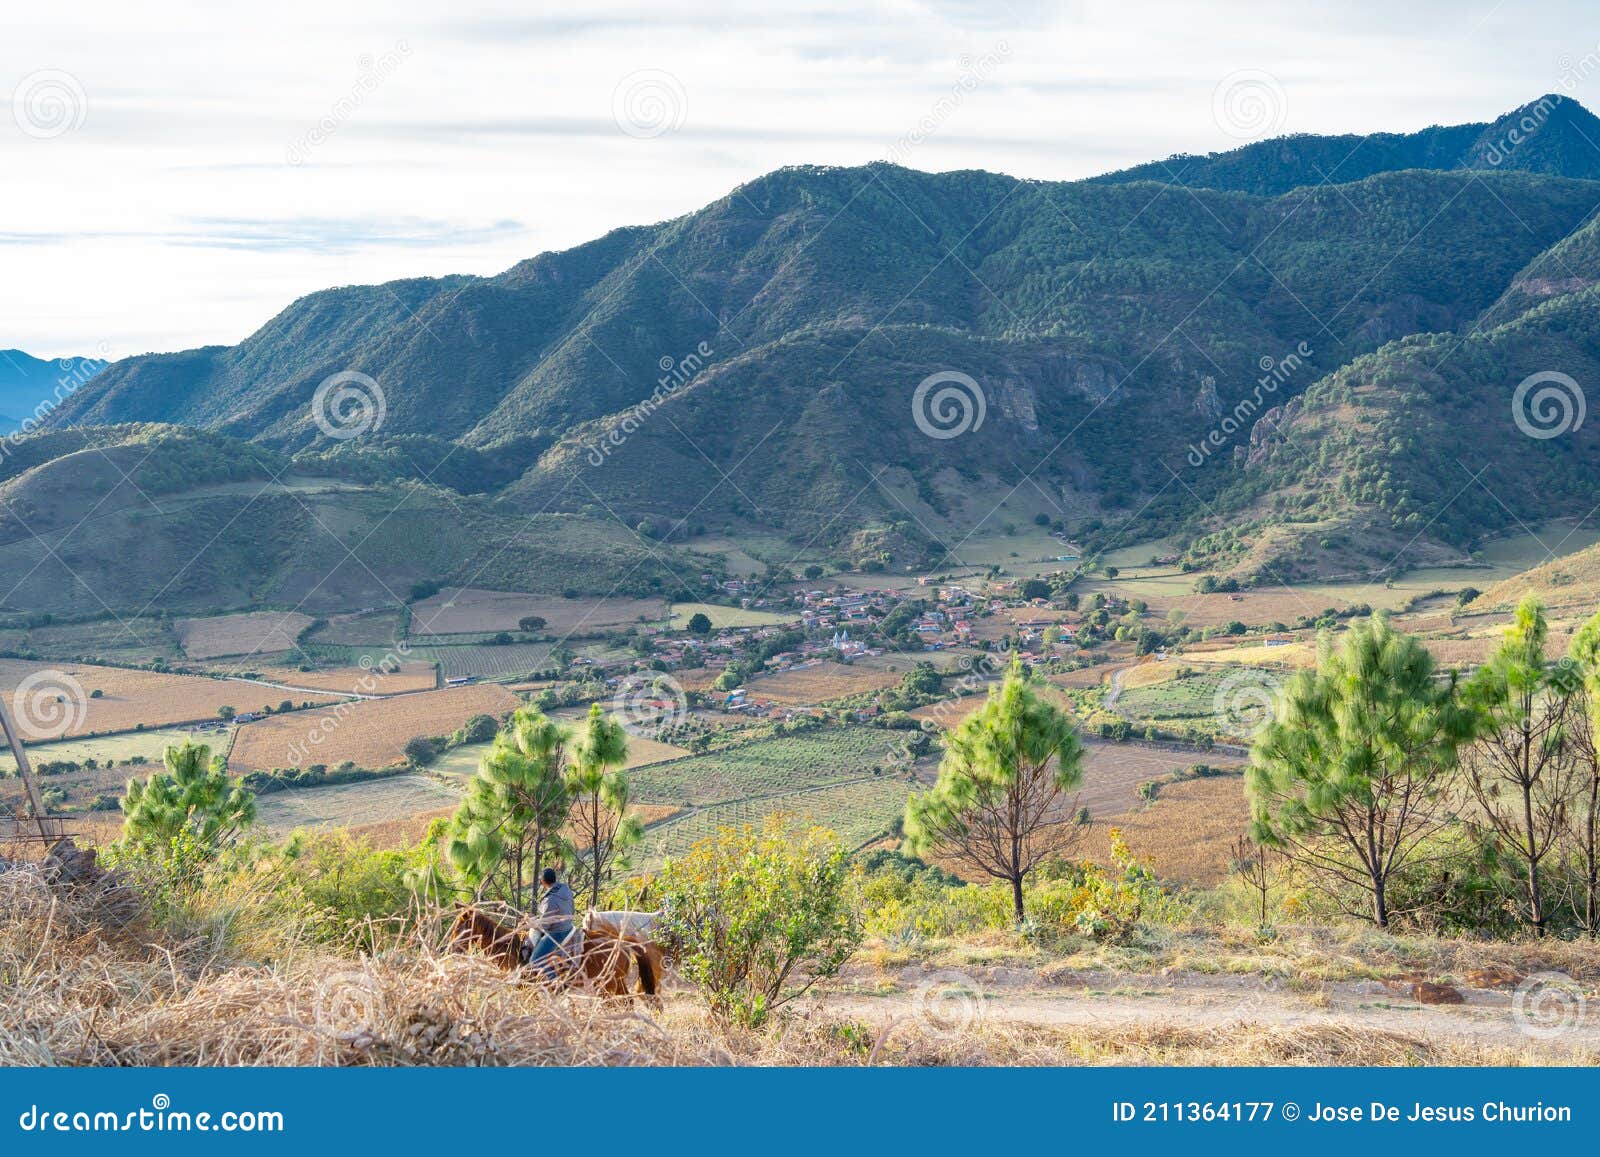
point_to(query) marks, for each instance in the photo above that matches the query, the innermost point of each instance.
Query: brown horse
(603, 962)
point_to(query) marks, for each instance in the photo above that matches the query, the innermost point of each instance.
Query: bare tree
(1250, 863)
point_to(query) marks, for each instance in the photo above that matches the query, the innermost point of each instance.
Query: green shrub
(760, 915)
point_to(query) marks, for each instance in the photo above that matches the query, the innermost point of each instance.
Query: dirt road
(1548, 1021)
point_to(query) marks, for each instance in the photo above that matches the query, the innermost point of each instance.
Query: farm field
(362, 628)
(465, 611)
(486, 661)
(128, 699)
(461, 763)
(131, 640)
(1298, 654)
(767, 766)
(727, 616)
(372, 801)
(1148, 674)
(1195, 696)
(811, 685)
(1112, 772)
(253, 633)
(119, 748)
(1254, 608)
(357, 680)
(948, 713)
(83, 785)
(1186, 834)
(407, 831)
(371, 733)
(1082, 677)
(858, 811)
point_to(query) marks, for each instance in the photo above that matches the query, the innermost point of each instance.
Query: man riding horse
(553, 925)
(599, 956)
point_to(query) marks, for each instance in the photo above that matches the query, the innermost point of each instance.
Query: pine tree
(998, 803)
(603, 831)
(1521, 767)
(509, 824)
(1347, 778)
(193, 796)
(1584, 820)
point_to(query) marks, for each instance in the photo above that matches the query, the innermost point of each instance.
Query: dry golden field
(1186, 835)
(370, 733)
(465, 611)
(811, 685)
(255, 633)
(128, 698)
(1300, 654)
(1149, 674)
(1253, 608)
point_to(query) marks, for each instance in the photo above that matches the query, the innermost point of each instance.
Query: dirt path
(1115, 689)
(1014, 997)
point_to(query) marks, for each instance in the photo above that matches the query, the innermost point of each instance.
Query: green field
(120, 747)
(766, 767)
(460, 763)
(858, 811)
(83, 785)
(1192, 696)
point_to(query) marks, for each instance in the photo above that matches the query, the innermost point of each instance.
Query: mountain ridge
(757, 359)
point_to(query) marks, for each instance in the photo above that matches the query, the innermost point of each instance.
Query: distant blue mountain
(28, 383)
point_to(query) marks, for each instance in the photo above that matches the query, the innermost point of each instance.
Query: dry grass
(79, 994)
(1186, 835)
(228, 985)
(1149, 674)
(255, 633)
(132, 698)
(1257, 655)
(372, 733)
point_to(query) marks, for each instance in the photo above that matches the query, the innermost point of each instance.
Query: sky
(176, 174)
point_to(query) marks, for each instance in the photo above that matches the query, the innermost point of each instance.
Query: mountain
(1550, 135)
(1289, 375)
(124, 520)
(30, 387)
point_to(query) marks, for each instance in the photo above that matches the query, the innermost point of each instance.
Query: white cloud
(172, 216)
